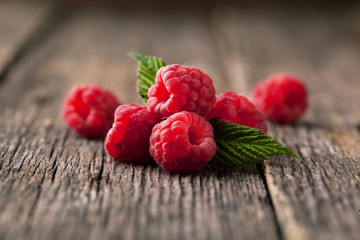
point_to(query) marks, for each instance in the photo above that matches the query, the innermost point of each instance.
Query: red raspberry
(282, 98)
(182, 143)
(236, 108)
(181, 88)
(89, 110)
(128, 139)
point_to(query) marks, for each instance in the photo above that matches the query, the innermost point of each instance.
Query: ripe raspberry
(182, 143)
(282, 98)
(89, 110)
(128, 139)
(236, 108)
(181, 88)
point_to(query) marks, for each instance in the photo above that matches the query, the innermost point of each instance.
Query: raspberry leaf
(147, 68)
(238, 145)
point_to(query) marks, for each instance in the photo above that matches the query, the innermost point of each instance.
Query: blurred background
(238, 43)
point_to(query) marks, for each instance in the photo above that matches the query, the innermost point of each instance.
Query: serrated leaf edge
(249, 151)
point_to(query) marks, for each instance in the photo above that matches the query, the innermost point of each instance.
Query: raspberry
(128, 139)
(282, 98)
(182, 143)
(89, 110)
(181, 88)
(236, 108)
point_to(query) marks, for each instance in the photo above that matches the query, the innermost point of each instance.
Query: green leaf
(238, 145)
(147, 68)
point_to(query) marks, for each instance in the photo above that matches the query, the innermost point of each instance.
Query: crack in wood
(37, 197)
(261, 168)
(99, 177)
(54, 167)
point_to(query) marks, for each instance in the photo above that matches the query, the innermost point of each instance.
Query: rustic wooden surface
(57, 185)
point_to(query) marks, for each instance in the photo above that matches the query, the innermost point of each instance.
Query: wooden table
(57, 185)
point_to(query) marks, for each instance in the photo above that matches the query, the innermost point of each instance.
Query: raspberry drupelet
(236, 108)
(128, 139)
(89, 110)
(181, 88)
(281, 97)
(182, 143)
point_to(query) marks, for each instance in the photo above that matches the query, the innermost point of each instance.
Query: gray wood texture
(318, 196)
(57, 185)
(19, 25)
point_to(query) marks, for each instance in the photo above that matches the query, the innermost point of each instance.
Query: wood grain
(318, 196)
(55, 184)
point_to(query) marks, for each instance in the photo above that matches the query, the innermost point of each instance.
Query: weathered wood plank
(57, 185)
(318, 196)
(18, 23)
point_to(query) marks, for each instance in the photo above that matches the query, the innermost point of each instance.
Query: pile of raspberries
(172, 128)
